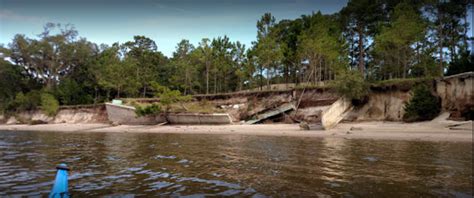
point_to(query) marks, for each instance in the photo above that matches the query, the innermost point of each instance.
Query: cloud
(12, 16)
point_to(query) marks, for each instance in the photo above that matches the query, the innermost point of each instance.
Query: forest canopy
(375, 39)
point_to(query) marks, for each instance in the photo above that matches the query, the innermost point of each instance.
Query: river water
(123, 164)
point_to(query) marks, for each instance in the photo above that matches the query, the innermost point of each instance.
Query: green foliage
(49, 104)
(143, 50)
(351, 84)
(319, 46)
(403, 84)
(201, 107)
(69, 92)
(422, 106)
(384, 39)
(463, 64)
(268, 50)
(182, 61)
(32, 101)
(393, 49)
(361, 20)
(56, 52)
(11, 82)
(25, 102)
(168, 97)
(152, 109)
(119, 75)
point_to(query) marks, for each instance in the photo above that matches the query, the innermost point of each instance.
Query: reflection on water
(229, 165)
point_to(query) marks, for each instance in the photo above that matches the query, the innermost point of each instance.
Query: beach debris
(12, 120)
(217, 174)
(315, 127)
(304, 126)
(336, 113)
(183, 161)
(165, 157)
(370, 159)
(117, 102)
(35, 122)
(356, 129)
(468, 125)
(271, 113)
(161, 124)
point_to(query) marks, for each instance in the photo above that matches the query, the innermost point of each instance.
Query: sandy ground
(423, 131)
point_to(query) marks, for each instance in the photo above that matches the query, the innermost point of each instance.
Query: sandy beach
(423, 131)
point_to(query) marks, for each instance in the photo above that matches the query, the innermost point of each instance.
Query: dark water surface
(121, 164)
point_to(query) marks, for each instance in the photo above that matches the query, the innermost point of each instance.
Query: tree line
(369, 39)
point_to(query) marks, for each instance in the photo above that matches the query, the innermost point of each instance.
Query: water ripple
(147, 165)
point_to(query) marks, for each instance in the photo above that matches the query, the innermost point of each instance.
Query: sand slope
(423, 131)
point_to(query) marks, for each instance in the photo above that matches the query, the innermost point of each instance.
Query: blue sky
(164, 21)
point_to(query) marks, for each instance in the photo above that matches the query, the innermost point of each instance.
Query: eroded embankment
(309, 104)
(66, 114)
(384, 103)
(456, 93)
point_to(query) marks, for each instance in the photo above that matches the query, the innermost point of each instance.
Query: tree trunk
(404, 64)
(261, 78)
(215, 83)
(466, 27)
(95, 94)
(268, 79)
(361, 50)
(315, 70)
(49, 84)
(454, 53)
(294, 73)
(207, 78)
(240, 84)
(352, 43)
(440, 41)
(320, 70)
(118, 92)
(398, 64)
(225, 82)
(325, 71)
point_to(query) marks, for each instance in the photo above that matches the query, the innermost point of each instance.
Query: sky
(164, 21)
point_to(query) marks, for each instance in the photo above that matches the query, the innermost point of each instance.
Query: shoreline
(451, 131)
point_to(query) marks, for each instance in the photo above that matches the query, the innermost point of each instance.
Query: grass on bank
(144, 109)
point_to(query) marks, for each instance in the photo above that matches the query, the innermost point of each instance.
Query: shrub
(49, 104)
(152, 109)
(351, 84)
(69, 92)
(25, 102)
(422, 106)
(462, 64)
(169, 97)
